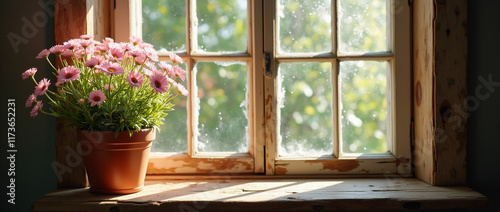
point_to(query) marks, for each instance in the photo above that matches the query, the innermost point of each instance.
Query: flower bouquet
(117, 95)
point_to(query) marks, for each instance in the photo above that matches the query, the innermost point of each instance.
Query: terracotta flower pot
(116, 164)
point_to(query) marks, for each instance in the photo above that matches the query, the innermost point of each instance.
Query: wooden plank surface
(440, 62)
(269, 195)
(423, 82)
(451, 92)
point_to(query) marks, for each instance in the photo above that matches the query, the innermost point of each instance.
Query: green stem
(60, 59)
(51, 63)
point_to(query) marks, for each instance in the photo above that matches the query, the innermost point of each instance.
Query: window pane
(363, 25)
(305, 104)
(222, 25)
(173, 134)
(304, 26)
(363, 94)
(222, 117)
(164, 24)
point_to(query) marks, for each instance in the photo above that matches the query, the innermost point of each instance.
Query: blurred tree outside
(306, 124)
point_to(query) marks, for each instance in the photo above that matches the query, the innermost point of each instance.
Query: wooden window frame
(437, 27)
(396, 161)
(398, 158)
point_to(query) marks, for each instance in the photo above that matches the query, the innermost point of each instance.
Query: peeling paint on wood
(281, 170)
(338, 165)
(183, 164)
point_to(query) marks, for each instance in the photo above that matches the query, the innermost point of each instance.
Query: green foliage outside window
(222, 26)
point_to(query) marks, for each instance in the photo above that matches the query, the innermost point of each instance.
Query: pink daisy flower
(86, 37)
(58, 49)
(94, 61)
(159, 82)
(81, 101)
(86, 43)
(139, 60)
(111, 68)
(181, 89)
(135, 40)
(171, 81)
(179, 72)
(108, 40)
(96, 97)
(134, 79)
(116, 54)
(67, 74)
(80, 52)
(147, 72)
(44, 53)
(151, 54)
(106, 87)
(145, 45)
(42, 87)
(151, 65)
(72, 44)
(126, 46)
(67, 53)
(38, 107)
(167, 68)
(136, 52)
(101, 47)
(28, 73)
(31, 99)
(175, 58)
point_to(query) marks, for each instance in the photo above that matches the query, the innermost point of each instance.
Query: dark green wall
(483, 140)
(35, 136)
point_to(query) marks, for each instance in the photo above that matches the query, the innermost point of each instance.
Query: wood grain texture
(423, 81)
(270, 94)
(69, 22)
(208, 164)
(440, 57)
(98, 19)
(257, 114)
(269, 195)
(451, 92)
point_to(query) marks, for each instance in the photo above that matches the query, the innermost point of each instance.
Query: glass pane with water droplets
(364, 106)
(305, 107)
(164, 24)
(222, 107)
(173, 134)
(363, 26)
(304, 26)
(222, 25)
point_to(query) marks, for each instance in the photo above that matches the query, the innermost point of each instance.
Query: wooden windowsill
(269, 195)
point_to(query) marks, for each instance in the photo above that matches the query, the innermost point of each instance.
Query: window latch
(267, 60)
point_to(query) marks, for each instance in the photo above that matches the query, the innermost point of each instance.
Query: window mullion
(334, 28)
(192, 27)
(256, 109)
(335, 108)
(191, 127)
(270, 104)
